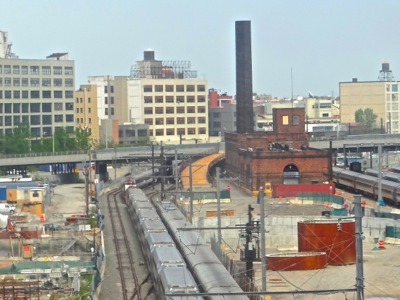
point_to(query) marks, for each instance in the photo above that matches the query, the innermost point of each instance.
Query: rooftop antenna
(291, 83)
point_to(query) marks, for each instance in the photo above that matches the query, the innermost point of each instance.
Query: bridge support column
(101, 170)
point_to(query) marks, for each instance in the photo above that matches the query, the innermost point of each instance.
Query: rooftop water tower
(385, 74)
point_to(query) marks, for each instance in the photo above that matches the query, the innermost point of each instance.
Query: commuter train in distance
(368, 184)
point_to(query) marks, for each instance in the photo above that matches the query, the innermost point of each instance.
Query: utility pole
(190, 191)
(219, 208)
(176, 170)
(249, 251)
(162, 171)
(86, 174)
(380, 175)
(359, 248)
(152, 163)
(262, 237)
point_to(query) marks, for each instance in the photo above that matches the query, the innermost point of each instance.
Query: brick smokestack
(244, 78)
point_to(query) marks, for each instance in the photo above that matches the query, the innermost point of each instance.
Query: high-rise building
(38, 92)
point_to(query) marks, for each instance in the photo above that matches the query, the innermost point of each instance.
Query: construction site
(48, 247)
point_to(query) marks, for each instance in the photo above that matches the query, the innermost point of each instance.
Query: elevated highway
(126, 154)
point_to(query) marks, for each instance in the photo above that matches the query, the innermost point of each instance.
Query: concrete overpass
(126, 154)
(361, 143)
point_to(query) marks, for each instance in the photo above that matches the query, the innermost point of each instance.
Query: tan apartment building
(381, 96)
(86, 110)
(165, 95)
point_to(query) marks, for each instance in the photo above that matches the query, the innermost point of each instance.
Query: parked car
(6, 209)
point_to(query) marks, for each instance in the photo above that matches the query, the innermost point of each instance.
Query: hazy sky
(322, 42)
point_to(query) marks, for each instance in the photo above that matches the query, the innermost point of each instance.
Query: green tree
(18, 140)
(367, 118)
(83, 139)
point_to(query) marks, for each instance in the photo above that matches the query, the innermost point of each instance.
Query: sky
(297, 46)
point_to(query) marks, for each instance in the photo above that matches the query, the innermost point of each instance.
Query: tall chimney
(244, 79)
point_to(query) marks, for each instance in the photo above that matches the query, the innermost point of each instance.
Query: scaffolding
(166, 69)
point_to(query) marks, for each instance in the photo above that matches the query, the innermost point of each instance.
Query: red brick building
(279, 157)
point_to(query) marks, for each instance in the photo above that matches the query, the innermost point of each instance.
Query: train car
(210, 274)
(367, 185)
(159, 250)
(177, 280)
(159, 239)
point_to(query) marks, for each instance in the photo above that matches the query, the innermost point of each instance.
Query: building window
(46, 119)
(158, 88)
(69, 106)
(170, 121)
(201, 88)
(24, 70)
(35, 82)
(112, 99)
(147, 88)
(180, 110)
(112, 111)
(191, 120)
(201, 120)
(285, 120)
(46, 70)
(159, 110)
(7, 81)
(16, 82)
(296, 120)
(148, 99)
(57, 82)
(190, 99)
(58, 118)
(69, 94)
(106, 100)
(191, 131)
(7, 94)
(169, 88)
(25, 94)
(190, 88)
(169, 99)
(57, 70)
(159, 132)
(24, 82)
(159, 121)
(159, 99)
(106, 111)
(35, 94)
(169, 110)
(180, 99)
(69, 82)
(180, 131)
(16, 95)
(148, 110)
(58, 94)
(15, 69)
(46, 82)
(148, 121)
(68, 71)
(34, 70)
(201, 109)
(7, 69)
(46, 94)
(180, 120)
(191, 110)
(180, 88)
(201, 99)
(202, 130)
(170, 131)
(57, 106)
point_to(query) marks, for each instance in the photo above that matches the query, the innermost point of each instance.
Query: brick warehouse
(279, 157)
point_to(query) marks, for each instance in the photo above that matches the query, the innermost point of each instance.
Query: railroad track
(131, 287)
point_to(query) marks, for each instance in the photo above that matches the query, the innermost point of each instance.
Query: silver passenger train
(179, 261)
(368, 184)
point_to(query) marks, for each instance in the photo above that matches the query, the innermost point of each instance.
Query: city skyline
(313, 44)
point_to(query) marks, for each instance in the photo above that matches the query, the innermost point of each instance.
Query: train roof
(176, 278)
(21, 184)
